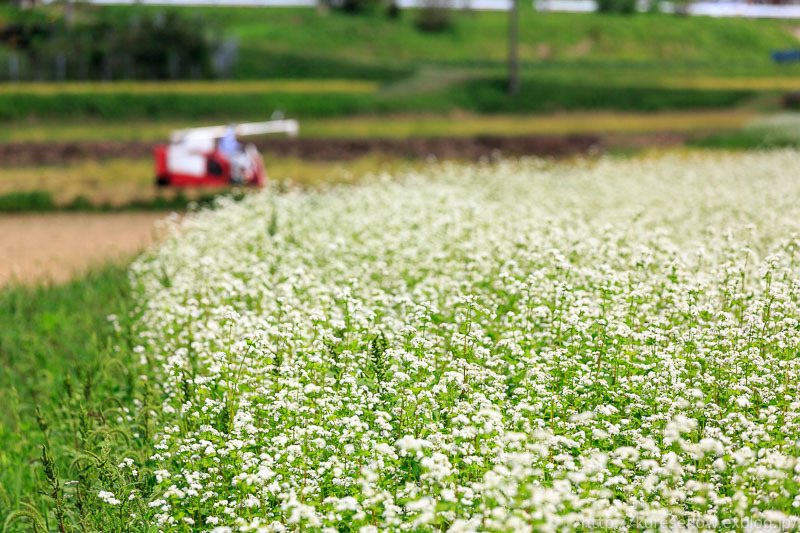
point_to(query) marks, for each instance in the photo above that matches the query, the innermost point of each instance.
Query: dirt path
(55, 247)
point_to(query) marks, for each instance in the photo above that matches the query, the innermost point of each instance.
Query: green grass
(479, 38)
(484, 95)
(23, 201)
(778, 131)
(742, 140)
(39, 201)
(56, 339)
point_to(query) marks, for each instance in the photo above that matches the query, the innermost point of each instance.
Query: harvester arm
(289, 126)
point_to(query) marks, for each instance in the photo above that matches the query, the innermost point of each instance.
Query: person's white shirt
(228, 145)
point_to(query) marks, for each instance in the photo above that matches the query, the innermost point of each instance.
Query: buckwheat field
(511, 346)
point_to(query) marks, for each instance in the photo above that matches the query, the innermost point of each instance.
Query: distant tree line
(432, 15)
(616, 6)
(150, 45)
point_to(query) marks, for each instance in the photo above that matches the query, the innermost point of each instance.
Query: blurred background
(89, 89)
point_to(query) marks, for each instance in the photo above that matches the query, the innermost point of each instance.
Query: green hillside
(570, 61)
(335, 45)
(479, 38)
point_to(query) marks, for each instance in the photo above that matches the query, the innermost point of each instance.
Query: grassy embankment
(61, 364)
(584, 61)
(303, 43)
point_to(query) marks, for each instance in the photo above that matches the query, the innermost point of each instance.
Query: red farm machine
(213, 156)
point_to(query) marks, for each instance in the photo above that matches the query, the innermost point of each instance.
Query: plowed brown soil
(55, 247)
(318, 149)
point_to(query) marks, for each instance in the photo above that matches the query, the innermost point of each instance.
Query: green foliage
(791, 101)
(374, 39)
(264, 62)
(42, 201)
(4, 501)
(22, 201)
(149, 45)
(186, 106)
(747, 139)
(27, 514)
(434, 16)
(478, 95)
(378, 358)
(66, 370)
(490, 96)
(56, 490)
(302, 42)
(354, 6)
(625, 7)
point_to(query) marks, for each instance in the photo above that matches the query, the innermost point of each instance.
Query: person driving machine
(230, 147)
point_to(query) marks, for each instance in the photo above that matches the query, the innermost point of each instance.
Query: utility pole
(513, 48)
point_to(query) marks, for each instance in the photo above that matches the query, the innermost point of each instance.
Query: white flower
(503, 347)
(108, 497)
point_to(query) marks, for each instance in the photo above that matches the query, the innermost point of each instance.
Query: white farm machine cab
(212, 156)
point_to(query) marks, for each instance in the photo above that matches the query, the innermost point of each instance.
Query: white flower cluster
(512, 346)
(108, 497)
